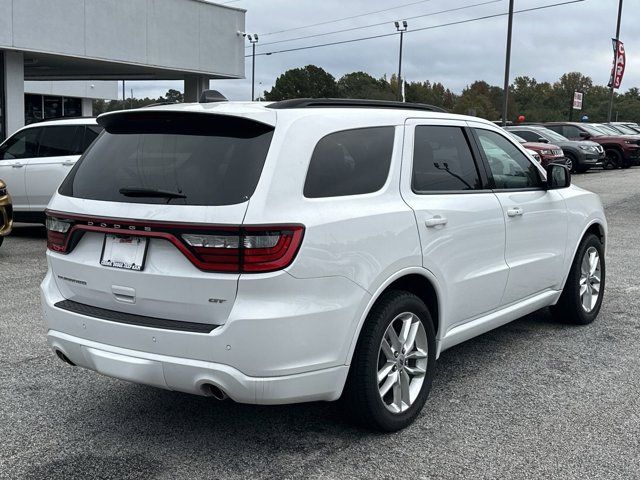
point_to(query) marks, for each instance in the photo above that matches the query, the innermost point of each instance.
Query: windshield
(552, 136)
(626, 130)
(176, 158)
(608, 129)
(593, 130)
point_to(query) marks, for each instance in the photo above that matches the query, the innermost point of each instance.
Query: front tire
(571, 163)
(582, 296)
(393, 365)
(613, 159)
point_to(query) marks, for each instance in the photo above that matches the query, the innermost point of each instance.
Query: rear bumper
(192, 376)
(284, 342)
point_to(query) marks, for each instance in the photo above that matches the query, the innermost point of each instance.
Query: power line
(344, 18)
(380, 23)
(485, 17)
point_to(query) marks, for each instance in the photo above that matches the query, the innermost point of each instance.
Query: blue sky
(546, 43)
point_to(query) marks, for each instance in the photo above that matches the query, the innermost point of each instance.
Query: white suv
(308, 249)
(35, 160)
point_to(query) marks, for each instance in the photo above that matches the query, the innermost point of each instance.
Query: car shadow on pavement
(29, 231)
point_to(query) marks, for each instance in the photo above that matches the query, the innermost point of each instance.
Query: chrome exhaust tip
(64, 358)
(214, 391)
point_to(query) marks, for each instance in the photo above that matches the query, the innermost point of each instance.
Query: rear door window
(205, 159)
(61, 141)
(91, 132)
(350, 162)
(442, 160)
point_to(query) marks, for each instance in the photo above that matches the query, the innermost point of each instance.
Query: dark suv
(581, 155)
(621, 151)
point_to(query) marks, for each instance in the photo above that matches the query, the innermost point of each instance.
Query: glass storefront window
(32, 108)
(72, 107)
(52, 107)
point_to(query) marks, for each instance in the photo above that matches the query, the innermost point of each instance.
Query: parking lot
(531, 399)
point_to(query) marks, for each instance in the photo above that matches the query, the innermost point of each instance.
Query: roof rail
(159, 104)
(351, 103)
(55, 119)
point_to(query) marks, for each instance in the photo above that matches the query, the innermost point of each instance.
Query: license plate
(123, 251)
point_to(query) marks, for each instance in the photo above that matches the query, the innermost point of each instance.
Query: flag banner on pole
(619, 62)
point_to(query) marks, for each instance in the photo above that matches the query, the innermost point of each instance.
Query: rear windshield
(175, 158)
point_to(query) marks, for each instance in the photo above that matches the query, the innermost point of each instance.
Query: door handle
(435, 221)
(515, 212)
(17, 165)
(68, 164)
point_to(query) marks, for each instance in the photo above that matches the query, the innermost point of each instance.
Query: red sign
(577, 100)
(619, 62)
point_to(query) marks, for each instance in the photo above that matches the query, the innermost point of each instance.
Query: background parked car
(620, 150)
(633, 126)
(548, 152)
(35, 160)
(6, 212)
(581, 155)
(618, 129)
(535, 155)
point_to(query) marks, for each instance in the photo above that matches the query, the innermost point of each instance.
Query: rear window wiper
(150, 192)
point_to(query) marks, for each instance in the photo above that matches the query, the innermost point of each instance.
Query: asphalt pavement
(533, 399)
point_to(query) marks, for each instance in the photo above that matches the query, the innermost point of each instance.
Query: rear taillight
(212, 248)
(58, 234)
(248, 249)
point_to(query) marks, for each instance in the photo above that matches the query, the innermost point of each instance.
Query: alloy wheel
(402, 362)
(590, 279)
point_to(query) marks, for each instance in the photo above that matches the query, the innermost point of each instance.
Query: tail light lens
(247, 249)
(58, 234)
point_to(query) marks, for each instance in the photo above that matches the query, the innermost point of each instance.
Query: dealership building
(56, 57)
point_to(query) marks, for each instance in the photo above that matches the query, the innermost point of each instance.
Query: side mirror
(542, 140)
(585, 135)
(558, 176)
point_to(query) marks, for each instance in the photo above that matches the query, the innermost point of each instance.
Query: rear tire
(582, 296)
(1, 240)
(386, 391)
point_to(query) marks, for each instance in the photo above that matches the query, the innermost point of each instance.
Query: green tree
(363, 85)
(307, 82)
(477, 99)
(174, 96)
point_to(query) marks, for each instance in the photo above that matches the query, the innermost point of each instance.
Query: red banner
(619, 62)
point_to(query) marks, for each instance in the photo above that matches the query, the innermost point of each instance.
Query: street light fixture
(253, 39)
(400, 28)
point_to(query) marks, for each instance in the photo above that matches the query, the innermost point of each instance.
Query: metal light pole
(507, 64)
(614, 61)
(400, 29)
(253, 40)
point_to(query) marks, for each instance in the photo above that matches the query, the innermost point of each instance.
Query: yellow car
(6, 212)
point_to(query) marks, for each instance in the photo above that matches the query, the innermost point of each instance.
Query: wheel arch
(595, 227)
(419, 281)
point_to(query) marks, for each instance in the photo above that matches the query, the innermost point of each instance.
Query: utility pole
(400, 29)
(253, 40)
(615, 60)
(123, 95)
(507, 64)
